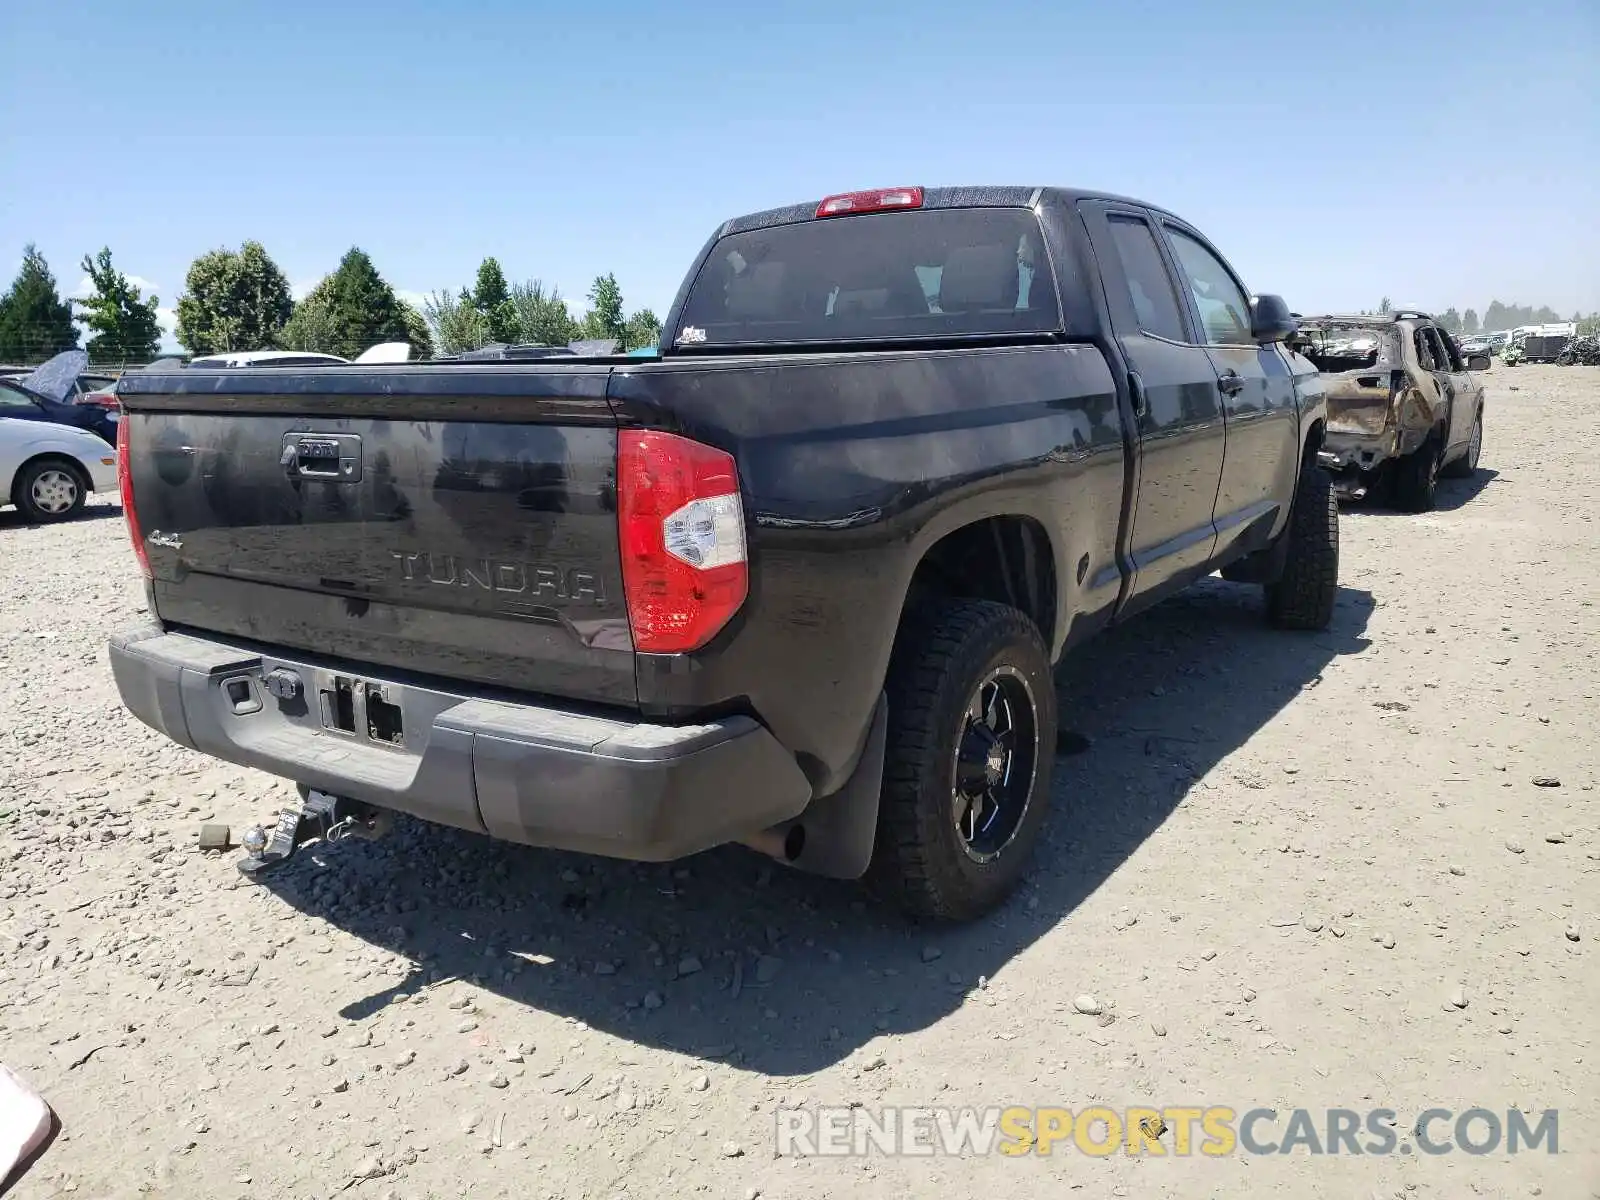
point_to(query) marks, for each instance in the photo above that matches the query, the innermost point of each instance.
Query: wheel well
(65, 460)
(1319, 430)
(1007, 559)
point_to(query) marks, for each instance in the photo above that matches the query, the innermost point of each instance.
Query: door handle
(1141, 402)
(1230, 384)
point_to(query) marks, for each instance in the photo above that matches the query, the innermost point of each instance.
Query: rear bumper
(542, 776)
(1344, 450)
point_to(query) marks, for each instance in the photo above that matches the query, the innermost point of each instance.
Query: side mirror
(1477, 362)
(1271, 320)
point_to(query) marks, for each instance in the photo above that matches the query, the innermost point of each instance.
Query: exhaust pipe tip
(783, 842)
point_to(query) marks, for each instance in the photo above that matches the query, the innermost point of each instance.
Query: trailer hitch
(319, 815)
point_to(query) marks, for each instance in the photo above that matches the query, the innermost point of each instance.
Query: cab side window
(1224, 310)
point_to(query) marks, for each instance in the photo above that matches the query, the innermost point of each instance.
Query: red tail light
(877, 200)
(105, 400)
(125, 486)
(682, 530)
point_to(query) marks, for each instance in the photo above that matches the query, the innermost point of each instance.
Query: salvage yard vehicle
(1403, 406)
(797, 580)
(48, 470)
(53, 393)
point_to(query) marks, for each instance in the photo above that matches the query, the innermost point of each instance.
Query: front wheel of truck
(1303, 596)
(971, 741)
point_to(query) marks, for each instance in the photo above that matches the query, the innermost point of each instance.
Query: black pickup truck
(798, 581)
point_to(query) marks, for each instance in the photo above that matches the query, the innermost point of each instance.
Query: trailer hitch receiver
(319, 815)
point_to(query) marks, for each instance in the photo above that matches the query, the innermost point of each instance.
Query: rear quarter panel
(852, 467)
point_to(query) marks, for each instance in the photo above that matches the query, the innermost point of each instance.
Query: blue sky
(1439, 154)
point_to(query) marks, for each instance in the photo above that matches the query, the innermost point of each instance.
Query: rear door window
(1155, 302)
(924, 274)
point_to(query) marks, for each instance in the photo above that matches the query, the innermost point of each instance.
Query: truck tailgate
(362, 518)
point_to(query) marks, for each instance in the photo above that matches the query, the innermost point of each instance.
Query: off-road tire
(46, 469)
(1467, 465)
(1303, 596)
(1415, 484)
(942, 655)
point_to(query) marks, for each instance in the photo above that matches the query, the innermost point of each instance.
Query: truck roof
(991, 196)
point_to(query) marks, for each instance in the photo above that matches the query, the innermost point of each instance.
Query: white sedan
(48, 470)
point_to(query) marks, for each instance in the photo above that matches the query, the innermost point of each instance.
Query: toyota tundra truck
(798, 580)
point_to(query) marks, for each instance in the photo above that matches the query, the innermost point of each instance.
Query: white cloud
(168, 320)
(415, 299)
(301, 289)
(85, 287)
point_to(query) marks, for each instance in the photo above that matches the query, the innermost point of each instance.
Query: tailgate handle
(334, 456)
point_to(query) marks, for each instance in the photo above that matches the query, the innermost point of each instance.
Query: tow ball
(319, 815)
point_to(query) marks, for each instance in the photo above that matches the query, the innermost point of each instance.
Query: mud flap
(838, 831)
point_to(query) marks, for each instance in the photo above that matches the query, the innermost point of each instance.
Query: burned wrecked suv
(1403, 406)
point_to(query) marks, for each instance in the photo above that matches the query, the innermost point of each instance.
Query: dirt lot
(1279, 862)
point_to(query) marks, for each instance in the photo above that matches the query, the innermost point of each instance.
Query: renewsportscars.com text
(1212, 1131)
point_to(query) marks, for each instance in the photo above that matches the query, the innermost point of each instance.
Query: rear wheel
(1416, 477)
(1303, 596)
(1467, 464)
(971, 741)
(50, 490)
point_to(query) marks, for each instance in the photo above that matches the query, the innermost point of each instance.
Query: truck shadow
(726, 956)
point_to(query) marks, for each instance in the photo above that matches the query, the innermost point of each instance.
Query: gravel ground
(1280, 869)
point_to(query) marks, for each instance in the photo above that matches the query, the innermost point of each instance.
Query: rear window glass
(1336, 348)
(932, 273)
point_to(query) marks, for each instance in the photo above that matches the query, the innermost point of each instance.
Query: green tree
(125, 325)
(310, 327)
(35, 322)
(1451, 320)
(605, 319)
(417, 333)
(542, 316)
(643, 329)
(350, 311)
(492, 298)
(455, 322)
(1469, 322)
(234, 301)
(1385, 306)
